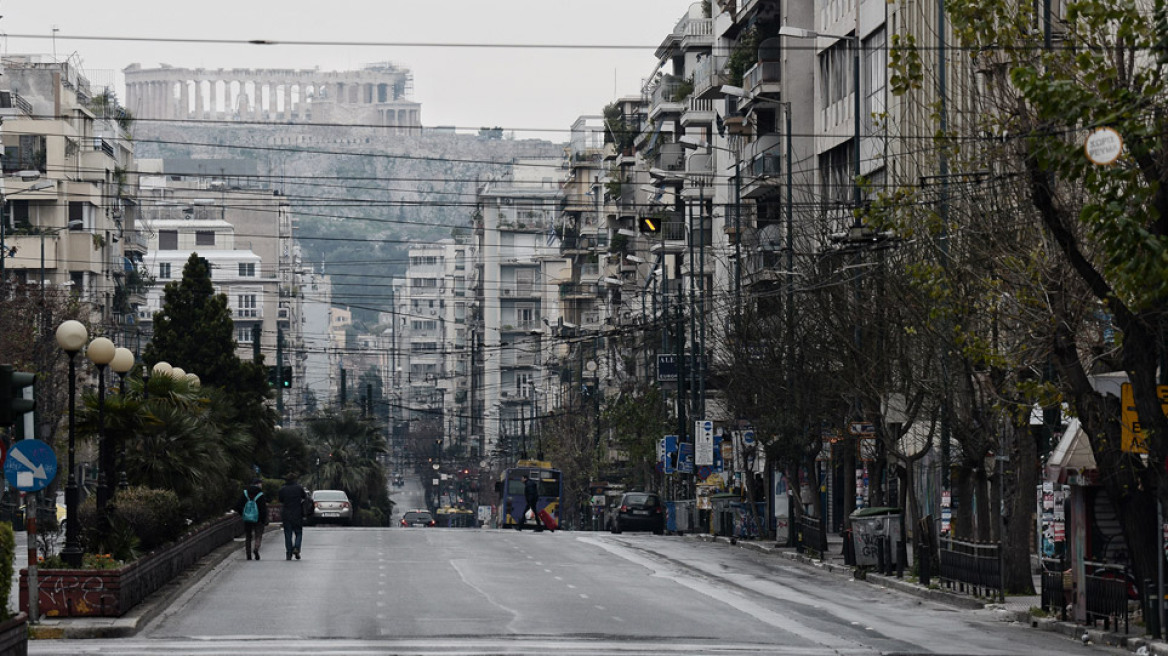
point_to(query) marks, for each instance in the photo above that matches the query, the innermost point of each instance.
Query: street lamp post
(122, 363)
(71, 336)
(101, 352)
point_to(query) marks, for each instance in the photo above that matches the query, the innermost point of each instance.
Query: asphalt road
(398, 590)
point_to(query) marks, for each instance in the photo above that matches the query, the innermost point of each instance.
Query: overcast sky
(538, 92)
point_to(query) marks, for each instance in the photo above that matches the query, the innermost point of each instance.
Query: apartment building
(69, 186)
(431, 345)
(245, 232)
(517, 299)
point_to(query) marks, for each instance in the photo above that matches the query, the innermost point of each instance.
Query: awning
(1072, 461)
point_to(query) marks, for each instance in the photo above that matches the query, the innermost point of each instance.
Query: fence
(811, 535)
(971, 567)
(1054, 590)
(1108, 589)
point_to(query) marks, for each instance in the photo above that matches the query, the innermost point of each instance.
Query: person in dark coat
(292, 497)
(531, 497)
(253, 532)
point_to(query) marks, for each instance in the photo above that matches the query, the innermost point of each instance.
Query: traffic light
(286, 378)
(272, 370)
(649, 225)
(13, 405)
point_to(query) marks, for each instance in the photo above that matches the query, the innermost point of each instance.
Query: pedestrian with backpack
(253, 508)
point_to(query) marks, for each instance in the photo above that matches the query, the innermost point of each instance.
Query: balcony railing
(673, 231)
(762, 73)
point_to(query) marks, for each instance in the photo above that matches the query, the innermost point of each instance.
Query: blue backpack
(251, 511)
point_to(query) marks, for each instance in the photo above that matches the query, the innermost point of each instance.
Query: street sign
(30, 465)
(685, 458)
(748, 437)
(669, 449)
(666, 368)
(704, 439)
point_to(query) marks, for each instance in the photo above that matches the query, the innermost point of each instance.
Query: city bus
(510, 489)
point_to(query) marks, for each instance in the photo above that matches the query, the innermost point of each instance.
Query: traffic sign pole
(30, 517)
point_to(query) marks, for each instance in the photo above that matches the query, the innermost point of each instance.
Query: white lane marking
(583, 596)
(718, 593)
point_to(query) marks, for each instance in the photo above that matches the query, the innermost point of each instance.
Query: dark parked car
(418, 518)
(638, 511)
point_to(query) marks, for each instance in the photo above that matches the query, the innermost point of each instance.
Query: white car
(331, 506)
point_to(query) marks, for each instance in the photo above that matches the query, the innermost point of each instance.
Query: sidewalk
(116, 627)
(1015, 609)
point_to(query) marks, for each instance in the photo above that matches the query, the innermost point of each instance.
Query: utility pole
(343, 388)
(280, 372)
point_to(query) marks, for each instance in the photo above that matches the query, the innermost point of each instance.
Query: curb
(80, 628)
(1134, 643)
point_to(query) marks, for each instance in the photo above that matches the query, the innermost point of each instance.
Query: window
(19, 209)
(835, 69)
(243, 335)
(247, 269)
(424, 260)
(204, 238)
(164, 270)
(428, 283)
(168, 240)
(425, 325)
(246, 306)
(76, 215)
(876, 70)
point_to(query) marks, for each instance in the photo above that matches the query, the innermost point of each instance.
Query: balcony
(709, 76)
(524, 219)
(668, 96)
(687, 34)
(513, 290)
(698, 111)
(10, 100)
(763, 77)
(577, 290)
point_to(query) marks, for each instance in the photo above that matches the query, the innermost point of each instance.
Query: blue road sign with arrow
(30, 465)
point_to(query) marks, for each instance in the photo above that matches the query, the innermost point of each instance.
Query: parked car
(331, 506)
(398, 481)
(638, 511)
(418, 518)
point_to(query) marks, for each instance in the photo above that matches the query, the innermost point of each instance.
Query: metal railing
(810, 535)
(972, 567)
(1054, 587)
(1107, 594)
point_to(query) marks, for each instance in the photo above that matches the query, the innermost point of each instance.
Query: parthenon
(374, 95)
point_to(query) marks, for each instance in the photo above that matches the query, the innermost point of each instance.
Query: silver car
(331, 506)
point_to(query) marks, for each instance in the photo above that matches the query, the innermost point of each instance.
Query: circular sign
(1103, 146)
(30, 465)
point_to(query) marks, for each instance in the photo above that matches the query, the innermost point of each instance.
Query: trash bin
(873, 530)
(679, 516)
(722, 514)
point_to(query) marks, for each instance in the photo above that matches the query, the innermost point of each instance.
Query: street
(434, 590)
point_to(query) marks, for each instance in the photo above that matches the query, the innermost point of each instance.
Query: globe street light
(101, 352)
(71, 336)
(122, 363)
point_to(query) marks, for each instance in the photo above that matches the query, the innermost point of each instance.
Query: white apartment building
(516, 283)
(69, 186)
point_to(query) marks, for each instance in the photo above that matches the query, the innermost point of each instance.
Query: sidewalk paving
(1016, 608)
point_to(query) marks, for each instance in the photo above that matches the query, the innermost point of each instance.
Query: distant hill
(359, 194)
